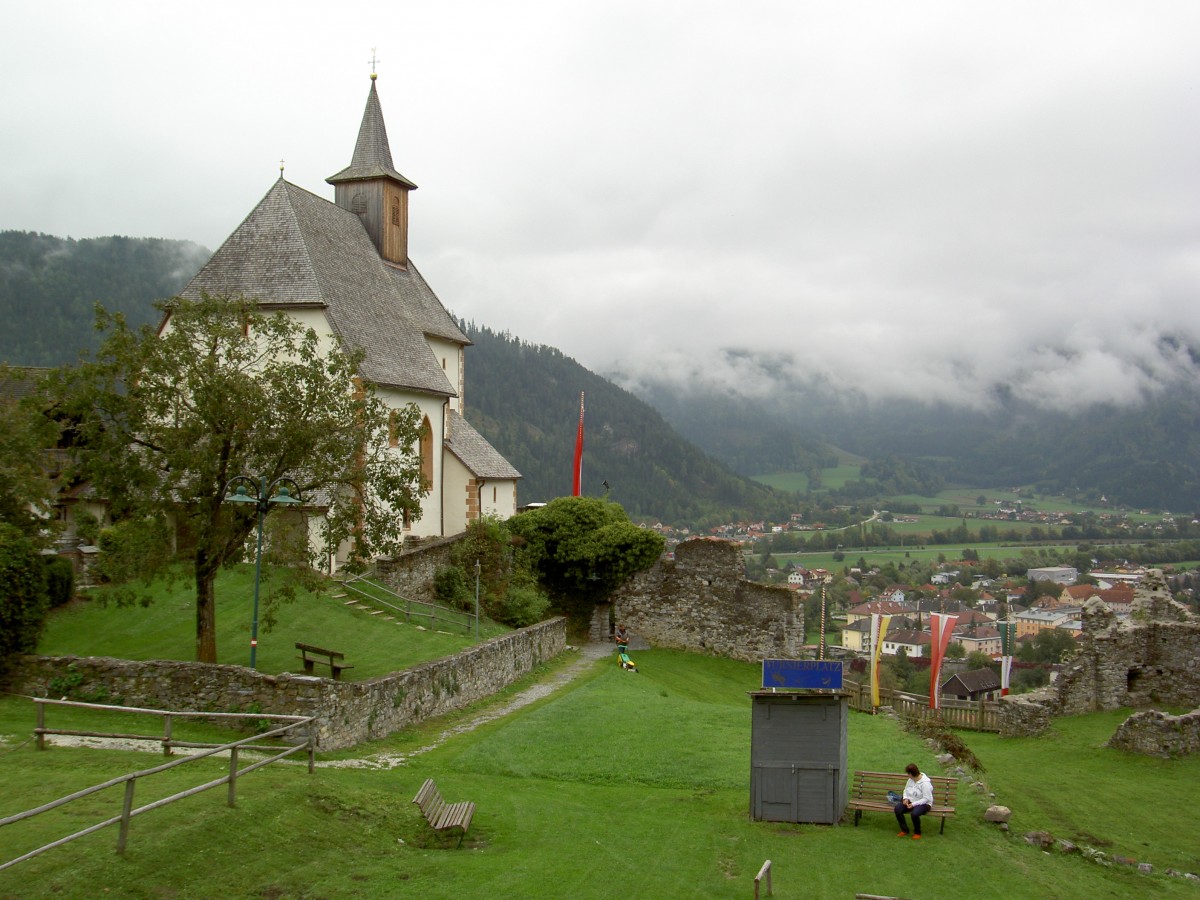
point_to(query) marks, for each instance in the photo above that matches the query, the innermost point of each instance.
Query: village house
(1031, 621)
(976, 684)
(983, 639)
(914, 643)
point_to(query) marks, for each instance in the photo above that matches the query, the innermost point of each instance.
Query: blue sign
(802, 673)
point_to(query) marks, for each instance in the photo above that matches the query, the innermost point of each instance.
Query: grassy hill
(166, 629)
(619, 785)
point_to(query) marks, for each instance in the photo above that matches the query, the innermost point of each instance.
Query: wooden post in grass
(233, 759)
(764, 872)
(126, 809)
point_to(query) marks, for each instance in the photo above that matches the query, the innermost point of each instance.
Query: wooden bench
(331, 658)
(440, 815)
(868, 792)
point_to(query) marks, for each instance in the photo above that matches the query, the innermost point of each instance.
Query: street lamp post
(476, 600)
(262, 500)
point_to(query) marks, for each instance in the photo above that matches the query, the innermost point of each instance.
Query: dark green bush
(60, 580)
(23, 599)
(450, 587)
(522, 605)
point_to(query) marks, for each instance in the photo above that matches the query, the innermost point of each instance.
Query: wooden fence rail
(128, 811)
(970, 715)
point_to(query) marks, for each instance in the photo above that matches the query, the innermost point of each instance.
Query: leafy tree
(1050, 645)
(166, 421)
(902, 666)
(26, 490)
(584, 547)
(23, 597)
(955, 650)
(977, 659)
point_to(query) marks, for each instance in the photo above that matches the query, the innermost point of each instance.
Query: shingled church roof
(296, 249)
(473, 450)
(372, 153)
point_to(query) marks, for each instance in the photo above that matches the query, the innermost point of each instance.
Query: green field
(618, 785)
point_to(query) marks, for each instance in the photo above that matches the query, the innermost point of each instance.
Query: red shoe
(916, 837)
(902, 834)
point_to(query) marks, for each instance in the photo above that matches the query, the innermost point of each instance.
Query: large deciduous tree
(26, 487)
(167, 418)
(584, 547)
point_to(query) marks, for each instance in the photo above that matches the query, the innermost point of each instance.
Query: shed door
(793, 792)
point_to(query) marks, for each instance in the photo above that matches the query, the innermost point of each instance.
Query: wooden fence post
(126, 809)
(233, 759)
(167, 735)
(764, 871)
(41, 724)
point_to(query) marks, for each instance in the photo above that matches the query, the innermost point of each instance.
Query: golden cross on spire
(374, 60)
(281, 167)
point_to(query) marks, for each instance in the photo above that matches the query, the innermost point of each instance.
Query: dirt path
(585, 656)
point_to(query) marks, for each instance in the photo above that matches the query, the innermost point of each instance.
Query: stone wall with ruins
(1151, 658)
(347, 712)
(701, 601)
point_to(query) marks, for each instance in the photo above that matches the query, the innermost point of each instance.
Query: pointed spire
(372, 153)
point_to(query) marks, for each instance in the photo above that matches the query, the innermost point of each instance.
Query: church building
(342, 268)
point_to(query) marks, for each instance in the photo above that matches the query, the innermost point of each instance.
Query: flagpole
(578, 473)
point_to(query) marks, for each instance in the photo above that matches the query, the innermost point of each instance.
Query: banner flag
(578, 474)
(1008, 641)
(879, 628)
(1005, 674)
(942, 628)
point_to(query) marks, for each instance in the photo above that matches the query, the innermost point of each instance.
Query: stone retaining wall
(701, 602)
(1156, 733)
(347, 712)
(411, 573)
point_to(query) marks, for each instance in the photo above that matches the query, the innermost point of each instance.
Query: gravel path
(585, 656)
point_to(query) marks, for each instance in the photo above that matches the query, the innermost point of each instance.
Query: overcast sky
(919, 198)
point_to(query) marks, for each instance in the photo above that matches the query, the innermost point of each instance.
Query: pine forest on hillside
(49, 287)
(525, 400)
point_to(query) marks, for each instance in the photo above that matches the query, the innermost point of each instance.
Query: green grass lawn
(166, 629)
(620, 785)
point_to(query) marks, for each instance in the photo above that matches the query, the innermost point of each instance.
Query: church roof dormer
(372, 153)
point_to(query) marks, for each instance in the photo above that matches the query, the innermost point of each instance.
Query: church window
(396, 211)
(394, 428)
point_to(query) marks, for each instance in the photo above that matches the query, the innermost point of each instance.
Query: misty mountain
(642, 437)
(524, 399)
(49, 287)
(1142, 456)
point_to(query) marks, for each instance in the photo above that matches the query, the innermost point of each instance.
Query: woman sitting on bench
(917, 800)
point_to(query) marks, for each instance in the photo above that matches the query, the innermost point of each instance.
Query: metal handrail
(432, 611)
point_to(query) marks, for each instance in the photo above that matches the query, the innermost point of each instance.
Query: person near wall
(621, 636)
(915, 802)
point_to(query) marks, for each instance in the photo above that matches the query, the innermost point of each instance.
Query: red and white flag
(942, 627)
(578, 451)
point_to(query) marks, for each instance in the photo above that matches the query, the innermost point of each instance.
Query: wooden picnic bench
(331, 658)
(441, 815)
(868, 792)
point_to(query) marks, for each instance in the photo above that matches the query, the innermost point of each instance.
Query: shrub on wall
(450, 587)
